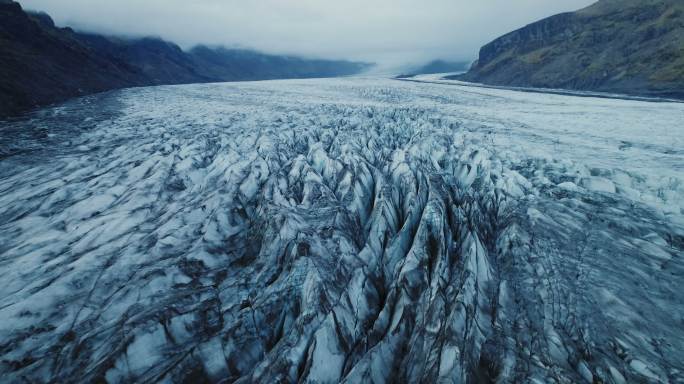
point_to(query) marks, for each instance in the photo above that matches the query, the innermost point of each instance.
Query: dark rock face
(42, 64)
(632, 47)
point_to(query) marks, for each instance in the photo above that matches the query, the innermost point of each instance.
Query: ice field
(343, 230)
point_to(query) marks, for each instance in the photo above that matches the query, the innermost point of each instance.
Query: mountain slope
(624, 46)
(42, 64)
(159, 61)
(240, 64)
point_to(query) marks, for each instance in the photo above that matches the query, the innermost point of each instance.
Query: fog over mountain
(390, 32)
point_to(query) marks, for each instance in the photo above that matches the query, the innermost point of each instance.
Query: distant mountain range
(42, 64)
(622, 46)
(437, 66)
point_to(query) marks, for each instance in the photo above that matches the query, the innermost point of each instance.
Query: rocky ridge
(618, 46)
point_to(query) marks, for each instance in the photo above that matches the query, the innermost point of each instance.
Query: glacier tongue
(356, 230)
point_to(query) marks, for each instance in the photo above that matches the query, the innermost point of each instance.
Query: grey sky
(386, 31)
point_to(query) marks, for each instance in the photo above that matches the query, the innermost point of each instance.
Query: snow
(598, 184)
(338, 230)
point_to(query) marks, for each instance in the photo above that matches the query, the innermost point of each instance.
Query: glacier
(342, 230)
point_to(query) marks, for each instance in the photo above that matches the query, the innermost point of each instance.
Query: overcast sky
(390, 32)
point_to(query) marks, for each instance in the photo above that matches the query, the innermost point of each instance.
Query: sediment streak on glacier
(355, 230)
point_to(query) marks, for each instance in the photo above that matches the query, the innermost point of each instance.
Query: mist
(387, 32)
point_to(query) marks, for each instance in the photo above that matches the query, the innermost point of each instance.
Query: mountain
(42, 64)
(438, 66)
(159, 61)
(240, 64)
(623, 46)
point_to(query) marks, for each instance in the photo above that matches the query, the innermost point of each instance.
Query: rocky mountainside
(240, 64)
(159, 61)
(624, 46)
(42, 64)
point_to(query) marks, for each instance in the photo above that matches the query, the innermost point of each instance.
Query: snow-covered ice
(343, 230)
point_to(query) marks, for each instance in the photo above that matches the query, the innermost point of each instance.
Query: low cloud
(390, 32)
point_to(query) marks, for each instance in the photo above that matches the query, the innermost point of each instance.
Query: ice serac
(340, 231)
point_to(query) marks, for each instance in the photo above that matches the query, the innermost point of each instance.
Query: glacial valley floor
(342, 230)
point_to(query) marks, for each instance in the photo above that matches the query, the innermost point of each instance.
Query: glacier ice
(348, 230)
